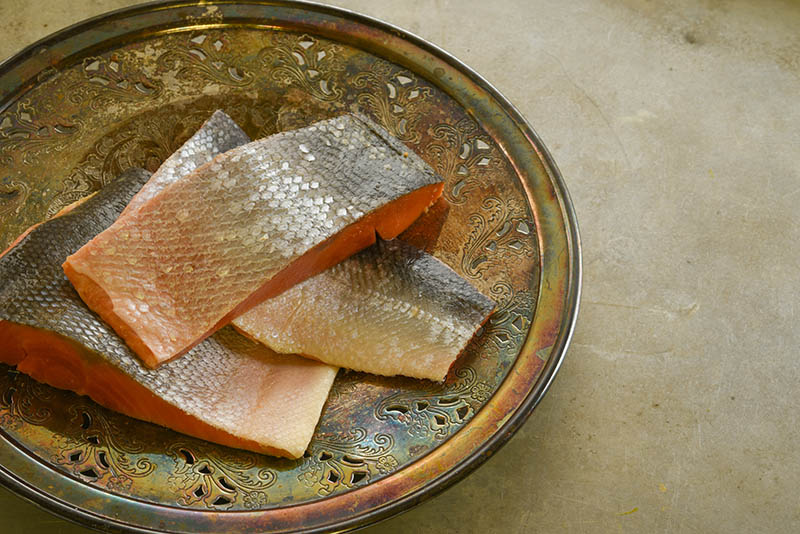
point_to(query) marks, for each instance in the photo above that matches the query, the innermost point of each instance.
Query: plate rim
(521, 412)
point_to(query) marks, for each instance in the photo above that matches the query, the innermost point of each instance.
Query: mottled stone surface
(676, 128)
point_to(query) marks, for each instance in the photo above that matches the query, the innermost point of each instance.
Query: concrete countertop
(675, 125)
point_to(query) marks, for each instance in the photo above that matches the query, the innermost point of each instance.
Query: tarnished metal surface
(126, 90)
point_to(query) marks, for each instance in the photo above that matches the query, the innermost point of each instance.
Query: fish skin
(218, 134)
(196, 263)
(391, 310)
(257, 399)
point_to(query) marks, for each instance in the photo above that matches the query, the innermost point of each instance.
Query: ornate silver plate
(126, 89)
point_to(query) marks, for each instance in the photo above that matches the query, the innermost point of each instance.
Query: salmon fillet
(245, 227)
(217, 135)
(227, 389)
(390, 310)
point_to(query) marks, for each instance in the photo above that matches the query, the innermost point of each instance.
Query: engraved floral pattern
(218, 477)
(25, 131)
(394, 97)
(460, 152)
(508, 325)
(386, 464)
(207, 56)
(22, 399)
(111, 79)
(435, 413)
(346, 460)
(101, 452)
(500, 229)
(13, 194)
(343, 386)
(306, 62)
(481, 391)
(143, 143)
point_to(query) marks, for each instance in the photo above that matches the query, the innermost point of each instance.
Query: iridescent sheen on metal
(125, 90)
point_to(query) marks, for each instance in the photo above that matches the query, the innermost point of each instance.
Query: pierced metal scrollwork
(111, 79)
(142, 143)
(508, 325)
(394, 96)
(25, 131)
(218, 478)
(99, 453)
(436, 413)
(207, 55)
(23, 400)
(145, 144)
(500, 229)
(346, 460)
(306, 62)
(460, 153)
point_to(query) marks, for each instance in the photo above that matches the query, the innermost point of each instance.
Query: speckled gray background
(677, 128)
